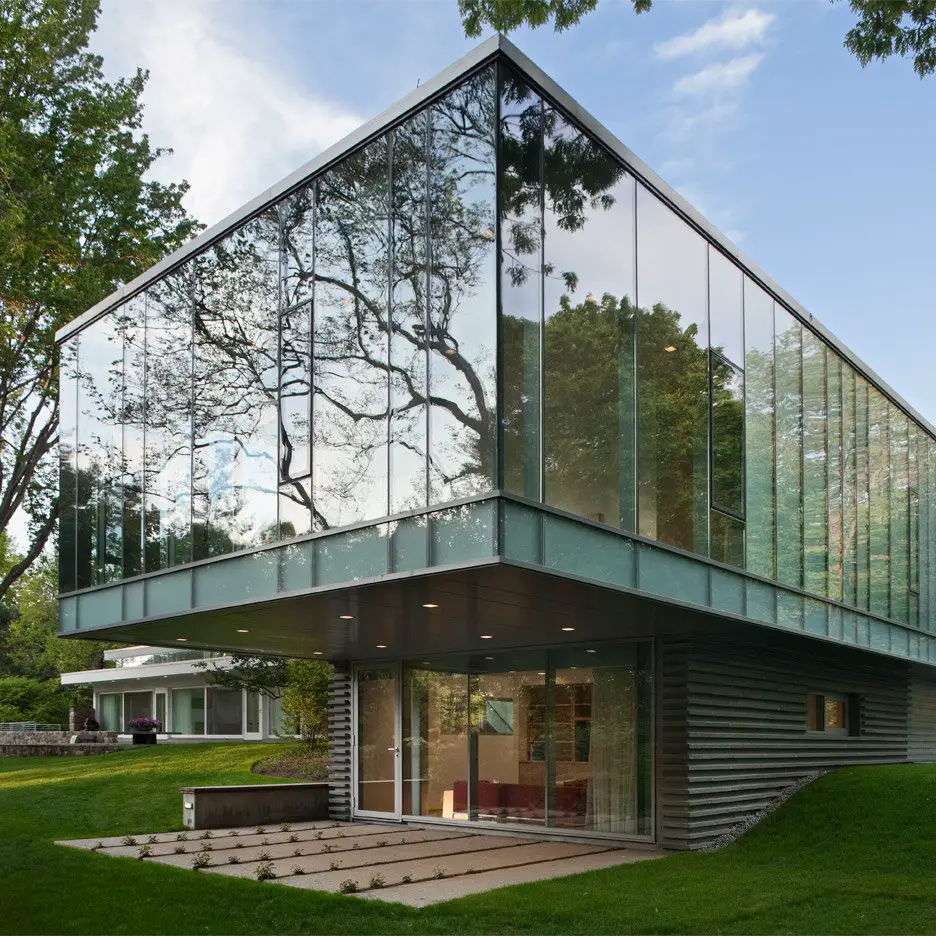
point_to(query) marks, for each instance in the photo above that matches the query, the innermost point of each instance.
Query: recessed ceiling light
(345, 617)
(487, 636)
(591, 651)
(316, 653)
(568, 628)
(182, 639)
(242, 630)
(669, 348)
(489, 658)
(573, 667)
(429, 604)
(381, 646)
(540, 674)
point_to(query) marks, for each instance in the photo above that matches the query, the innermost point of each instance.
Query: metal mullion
(500, 472)
(427, 259)
(391, 260)
(541, 433)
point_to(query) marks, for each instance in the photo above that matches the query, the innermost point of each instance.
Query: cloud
(684, 125)
(720, 76)
(733, 30)
(236, 119)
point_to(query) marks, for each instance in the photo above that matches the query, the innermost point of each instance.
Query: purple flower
(145, 724)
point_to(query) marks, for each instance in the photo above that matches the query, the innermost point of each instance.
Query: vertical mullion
(391, 259)
(541, 440)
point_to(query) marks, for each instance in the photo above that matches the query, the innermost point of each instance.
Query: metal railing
(28, 726)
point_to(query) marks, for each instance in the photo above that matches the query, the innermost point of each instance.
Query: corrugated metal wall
(732, 727)
(339, 734)
(921, 721)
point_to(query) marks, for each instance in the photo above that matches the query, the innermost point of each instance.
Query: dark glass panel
(350, 345)
(879, 504)
(589, 288)
(295, 390)
(849, 489)
(672, 377)
(862, 496)
(726, 319)
(760, 441)
(727, 396)
(899, 515)
(100, 399)
(789, 401)
(167, 462)
(68, 428)
(234, 482)
(131, 319)
(727, 539)
(408, 362)
(521, 146)
(297, 213)
(836, 475)
(462, 334)
(815, 466)
(916, 457)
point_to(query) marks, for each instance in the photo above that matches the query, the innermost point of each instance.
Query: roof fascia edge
(650, 178)
(372, 127)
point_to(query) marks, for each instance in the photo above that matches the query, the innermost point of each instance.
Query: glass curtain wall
(651, 385)
(540, 738)
(337, 357)
(329, 360)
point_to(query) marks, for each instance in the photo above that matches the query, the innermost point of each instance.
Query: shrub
(348, 887)
(264, 871)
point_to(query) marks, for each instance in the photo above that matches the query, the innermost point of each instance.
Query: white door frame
(395, 743)
(258, 734)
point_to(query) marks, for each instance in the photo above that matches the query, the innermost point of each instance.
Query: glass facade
(557, 739)
(482, 297)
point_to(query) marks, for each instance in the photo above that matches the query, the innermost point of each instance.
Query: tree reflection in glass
(234, 479)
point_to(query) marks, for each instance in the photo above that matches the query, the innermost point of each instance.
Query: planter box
(255, 804)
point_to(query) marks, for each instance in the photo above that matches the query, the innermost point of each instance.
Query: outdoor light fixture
(316, 653)
(182, 639)
(345, 617)
(591, 651)
(429, 604)
(568, 628)
(242, 630)
(381, 646)
(669, 348)
(487, 636)
(489, 658)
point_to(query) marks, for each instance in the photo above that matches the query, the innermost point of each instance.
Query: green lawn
(853, 853)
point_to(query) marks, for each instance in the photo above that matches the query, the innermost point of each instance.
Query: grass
(295, 761)
(853, 853)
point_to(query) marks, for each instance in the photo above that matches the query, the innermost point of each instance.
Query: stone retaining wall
(33, 738)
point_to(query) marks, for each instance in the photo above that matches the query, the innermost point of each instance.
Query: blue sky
(820, 170)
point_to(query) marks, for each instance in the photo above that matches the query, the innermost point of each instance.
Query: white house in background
(166, 684)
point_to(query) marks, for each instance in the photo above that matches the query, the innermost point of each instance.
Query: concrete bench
(253, 804)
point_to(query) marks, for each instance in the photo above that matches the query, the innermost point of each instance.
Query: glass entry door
(161, 709)
(377, 743)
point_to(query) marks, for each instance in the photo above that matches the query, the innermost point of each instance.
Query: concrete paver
(414, 865)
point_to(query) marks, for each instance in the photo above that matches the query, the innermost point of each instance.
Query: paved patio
(404, 864)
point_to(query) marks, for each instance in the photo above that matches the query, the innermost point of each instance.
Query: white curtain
(612, 756)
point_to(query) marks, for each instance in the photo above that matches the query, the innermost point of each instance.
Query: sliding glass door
(550, 738)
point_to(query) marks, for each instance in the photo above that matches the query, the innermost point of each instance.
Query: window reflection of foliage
(235, 321)
(461, 333)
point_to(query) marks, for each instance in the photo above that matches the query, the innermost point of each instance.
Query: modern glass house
(604, 534)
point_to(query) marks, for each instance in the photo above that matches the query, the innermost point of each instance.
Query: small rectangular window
(833, 714)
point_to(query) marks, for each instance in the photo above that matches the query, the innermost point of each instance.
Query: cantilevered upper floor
(480, 331)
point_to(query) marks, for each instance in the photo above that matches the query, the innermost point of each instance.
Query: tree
(301, 684)
(884, 27)
(77, 219)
